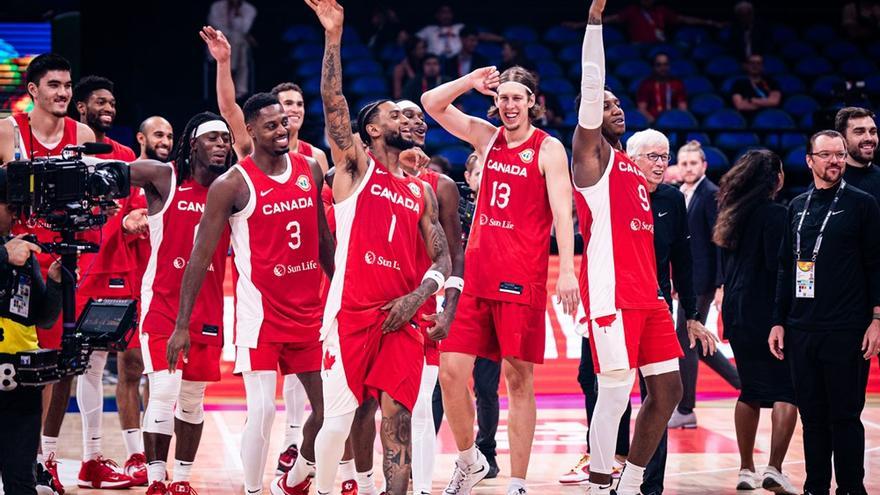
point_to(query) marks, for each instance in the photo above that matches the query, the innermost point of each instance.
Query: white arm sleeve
(592, 78)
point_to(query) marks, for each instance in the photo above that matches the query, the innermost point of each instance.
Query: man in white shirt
(443, 38)
(235, 19)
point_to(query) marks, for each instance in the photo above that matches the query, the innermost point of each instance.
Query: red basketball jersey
(275, 241)
(305, 149)
(377, 246)
(172, 234)
(618, 270)
(508, 250)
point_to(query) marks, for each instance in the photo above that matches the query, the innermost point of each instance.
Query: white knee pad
(164, 390)
(614, 390)
(191, 402)
(660, 368)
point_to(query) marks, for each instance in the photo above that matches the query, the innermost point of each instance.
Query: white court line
(228, 440)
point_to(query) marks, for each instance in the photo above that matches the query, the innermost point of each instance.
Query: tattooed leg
(397, 442)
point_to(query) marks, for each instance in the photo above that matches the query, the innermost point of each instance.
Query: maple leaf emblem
(329, 360)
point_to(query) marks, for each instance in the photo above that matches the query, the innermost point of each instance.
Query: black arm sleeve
(871, 250)
(682, 262)
(784, 281)
(773, 232)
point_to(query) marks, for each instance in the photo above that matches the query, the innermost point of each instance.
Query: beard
(151, 153)
(861, 157)
(395, 140)
(94, 122)
(218, 169)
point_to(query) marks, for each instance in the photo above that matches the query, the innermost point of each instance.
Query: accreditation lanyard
(824, 222)
(805, 271)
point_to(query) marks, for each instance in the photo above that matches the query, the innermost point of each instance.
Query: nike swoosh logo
(181, 189)
(157, 421)
(662, 214)
(836, 212)
(267, 191)
(381, 172)
(184, 411)
(96, 438)
(496, 148)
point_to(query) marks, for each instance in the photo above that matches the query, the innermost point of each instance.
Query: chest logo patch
(303, 182)
(527, 155)
(416, 190)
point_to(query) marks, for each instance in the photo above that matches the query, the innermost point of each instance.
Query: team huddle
(336, 272)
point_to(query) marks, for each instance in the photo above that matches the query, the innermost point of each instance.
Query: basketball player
(291, 99)
(156, 139)
(373, 347)
(176, 195)
(44, 132)
(525, 188)
(110, 273)
(630, 324)
(280, 239)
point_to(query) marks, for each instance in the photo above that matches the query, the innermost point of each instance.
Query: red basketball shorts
(358, 362)
(289, 357)
(202, 365)
(633, 338)
(497, 329)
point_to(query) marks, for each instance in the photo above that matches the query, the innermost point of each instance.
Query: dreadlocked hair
(182, 156)
(753, 180)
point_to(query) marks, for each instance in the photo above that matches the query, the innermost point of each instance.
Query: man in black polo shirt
(827, 318)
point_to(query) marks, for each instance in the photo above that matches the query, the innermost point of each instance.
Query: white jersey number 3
(295, 238)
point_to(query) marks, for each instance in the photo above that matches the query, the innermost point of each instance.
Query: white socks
(631, 479)
(259, 389)
(295, 403)
(366, 486)
(469, 456)
(181, 470)
(50, 446)
(329, 448)
(90, 400)
(346, 470)
(134, 442)
(156, 471)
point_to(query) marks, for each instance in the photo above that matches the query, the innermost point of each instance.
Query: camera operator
(26, 302)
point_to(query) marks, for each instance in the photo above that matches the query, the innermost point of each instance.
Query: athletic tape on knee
(191, 402)
(592, 79)
(660, 368)
(616, 378)
(159, 415)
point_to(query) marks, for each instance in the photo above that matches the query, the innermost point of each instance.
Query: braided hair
(183, 152)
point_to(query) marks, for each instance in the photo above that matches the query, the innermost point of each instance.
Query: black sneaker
(493, 468)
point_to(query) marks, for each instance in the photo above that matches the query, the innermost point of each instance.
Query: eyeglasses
(826, 155)
(654, 157)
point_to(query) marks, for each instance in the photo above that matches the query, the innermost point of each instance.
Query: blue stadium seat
(691, 35)
(823, 86)
(727, 84)
(632, 69)
(613, 84)
(813, 66)
(438, 138)
(537, 51)
(706, 103)
(633, 86)
(610, 36)
(701, 137)
(557, 85)
(840, 50)
(549, 68)
(307, 51)
(873, 50)
(796, 157)
(676, 119)
(523, 34)
(569, 53)
(635, 120)
(797, 50)
(726, 118)
(311, 85)
(800, 105)
(820, 34)
(362, 67)
(774, 65)
(715, 158)
(559, 35)
(872, 84)
(735, 140)
(457, 156)
(671, 50)
(722, 66)
(350, 52)
(785, 141)
(781, 33)
(683, 68)
(807, 121)
(369, 85)
(570, 120)
(392, 53)
(315, 107)
(789, 84)
(364, 101)
(475, 100)
(857, 68)
(351, 37)
(492, 51)
(772, 119)
(617, 54)
(695, 85)
(309, 68)
(625, 100)
(706, 51)
(301, 32)
(567, 104)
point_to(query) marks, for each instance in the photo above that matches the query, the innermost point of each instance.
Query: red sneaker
(286, 459)
(102, 473)
(279, 487)
(181, 488)
(136, 469)
(349, 487)
(157, 488)
(52, 468)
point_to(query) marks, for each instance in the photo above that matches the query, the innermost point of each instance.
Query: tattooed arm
(403, 308)
(347, 153)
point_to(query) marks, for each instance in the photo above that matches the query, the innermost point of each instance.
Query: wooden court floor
(701, 461)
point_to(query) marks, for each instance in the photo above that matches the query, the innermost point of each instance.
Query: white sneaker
(679, 420)
(580, 473)
(778, 482)
(466, 476)
(748, 480)
(516, 491)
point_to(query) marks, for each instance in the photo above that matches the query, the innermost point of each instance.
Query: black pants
(688, 364)
(20, 439)
(830, 379)
(654, 471)
(487, 374)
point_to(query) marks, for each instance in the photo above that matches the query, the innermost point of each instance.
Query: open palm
(217, 43)
(329, 13)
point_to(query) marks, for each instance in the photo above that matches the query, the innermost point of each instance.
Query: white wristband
(435, 276)
(454, 283)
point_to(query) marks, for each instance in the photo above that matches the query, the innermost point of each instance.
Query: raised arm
(590, 151)
(403, 308)
(438, 104)
(554, 164)
(448, 199)
(220, 50)
(346, 153)
(218, 208)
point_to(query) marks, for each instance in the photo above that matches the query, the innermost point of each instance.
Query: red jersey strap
(305, 149)
(21, 123)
